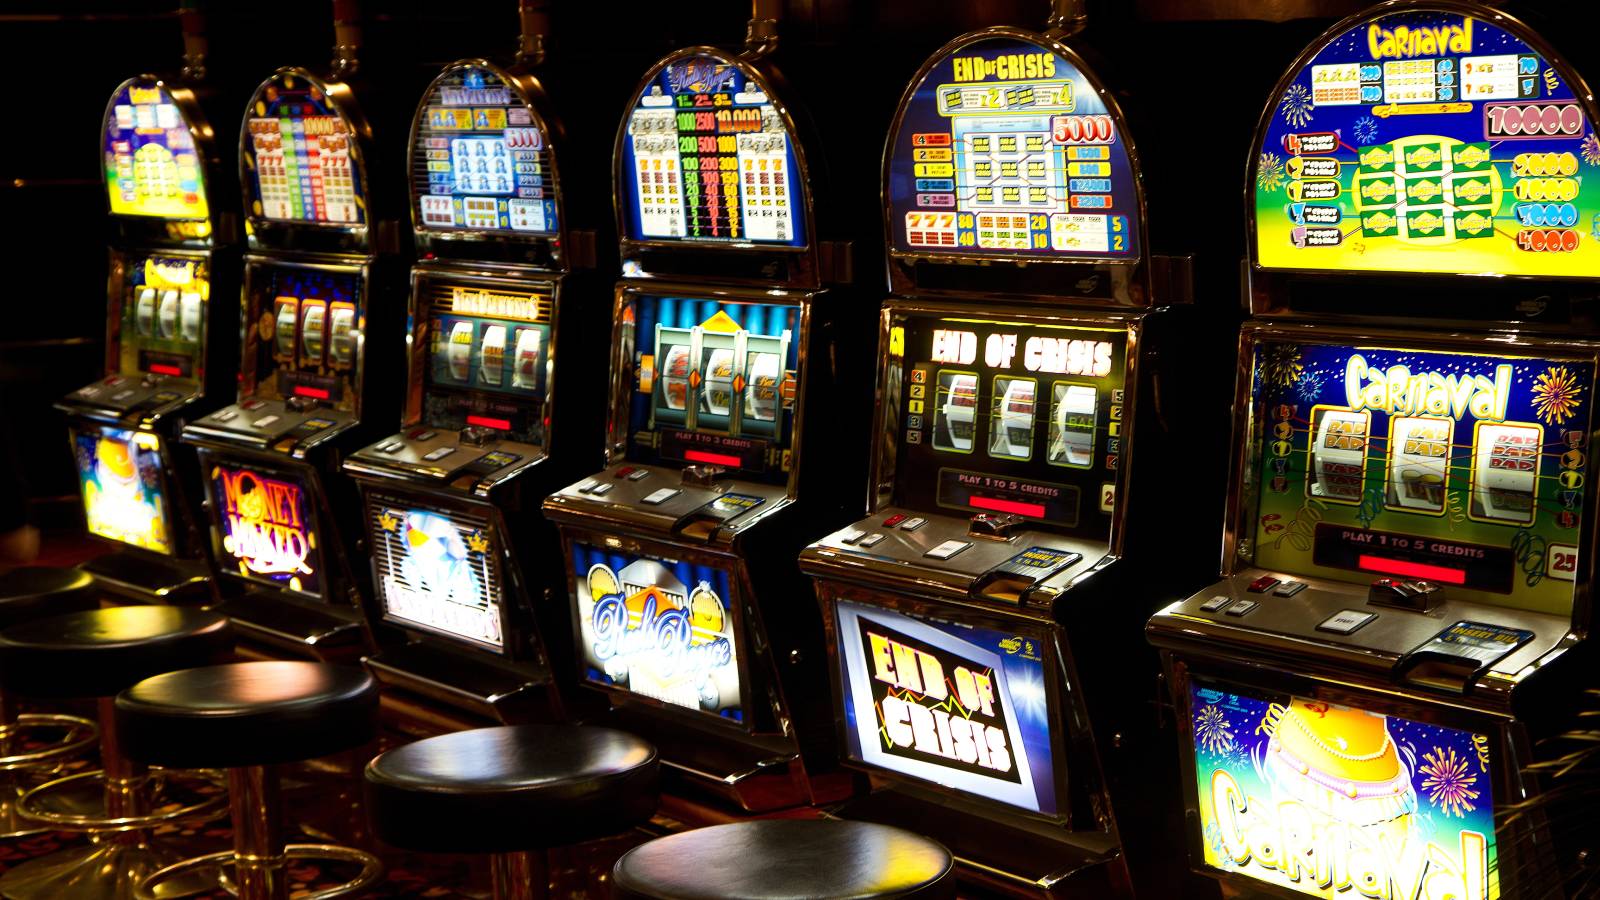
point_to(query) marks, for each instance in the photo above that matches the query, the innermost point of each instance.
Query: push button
(851, 535)
(424, 435)
(600, 490)
(912, 524)
(1216, 603)
(389, 446)
(638, 474)
(872, 539)
(656, 498)
(947, 549)
(1346, 621)
(226, 415)
(252, 405)
(440, 453)
(1288, 589)
(1262, 585)
(584, 486)
(894, 520)
(264, 422)
(1242, 608)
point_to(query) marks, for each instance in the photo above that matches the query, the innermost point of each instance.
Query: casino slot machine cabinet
(1037, 377)
(322, 332)
(681, 551)
(462, 558)
(1399, 626)
(170, 332)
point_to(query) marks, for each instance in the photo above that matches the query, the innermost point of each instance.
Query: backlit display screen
(1008, 417)
(303, 155)
(123, 479)
(265, 526)
(480, 159)
(952, 704)
(164, 315)
(489, 357)
(152, 167)
(438, 570)
(708, 157)
(306, 333)
(714, 382)
(1335, 801)
(1006, 148)
(1458, 468)
(1429, 141)
(658, 628)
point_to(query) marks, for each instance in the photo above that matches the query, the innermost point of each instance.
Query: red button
(894, 520)
(1263, 584)
(624, 472)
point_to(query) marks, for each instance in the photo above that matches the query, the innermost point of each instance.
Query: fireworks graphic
(1211, 730)
(1281, 364)
(1555, 395)
(1591, 150)
(1449, 784)
(1269, 172)
(1309, 387)
(1296, 105)
(1366, 130)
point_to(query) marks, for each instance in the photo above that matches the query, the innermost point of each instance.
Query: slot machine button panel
(1263, 584)
(1346, 621)
(872, 540)
(1241, 608)
(913, 523)
(658, 497)
(1216, 603)
(947, 549)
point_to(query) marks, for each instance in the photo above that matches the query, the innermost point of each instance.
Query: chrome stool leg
(259, 859)
(122, 851)
(19, 768)
(519, 876)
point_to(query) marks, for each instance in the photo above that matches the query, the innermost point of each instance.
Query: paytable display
(482, 162)
(151, 165)
(306, 163)
(1006, 148)
(708, 157)
(1426, 141)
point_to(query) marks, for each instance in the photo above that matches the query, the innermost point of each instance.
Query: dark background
(1194, 75)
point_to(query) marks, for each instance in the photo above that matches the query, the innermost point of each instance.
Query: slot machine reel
(957, 414)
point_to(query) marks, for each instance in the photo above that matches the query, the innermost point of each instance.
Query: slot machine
(1397, 638)
(681, 551)
(461, 555)
(174, 263)
(321, 339)
(1038, 375)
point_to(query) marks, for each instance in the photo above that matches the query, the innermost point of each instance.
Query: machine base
(996, 858)
(305, 633)
(497, 693)
(142, 578)
(754, 778)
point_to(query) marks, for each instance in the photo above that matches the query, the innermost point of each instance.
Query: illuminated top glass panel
(1006, 148)
(708, 158)
(480, 158)
(1428, 141)
(1459, 468)
(152, 165)
(303, 155)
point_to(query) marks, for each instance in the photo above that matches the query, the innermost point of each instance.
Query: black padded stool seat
(786, 859)
(34, 591)
(511, 789)
(99, 652)
(247, 714)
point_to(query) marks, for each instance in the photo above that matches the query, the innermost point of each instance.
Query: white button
(913, 523)
(1346, 621)
(441, 453)
(226, 415)
(948, 549)
(602, 489)
(122, 395)
(389, 446)
(872, 539)
(264, 421)
(1216, 603)
(657, 497)
(639, 475)
(583, 486)
(851, 535)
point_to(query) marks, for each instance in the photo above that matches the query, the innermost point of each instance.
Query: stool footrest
(81, 734)
(371, 870)
(207, 810)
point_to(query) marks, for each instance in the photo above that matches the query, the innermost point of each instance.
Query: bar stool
(97, 653)
(513, 792)
(783, 859)
(249, 718)
(29, 593)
